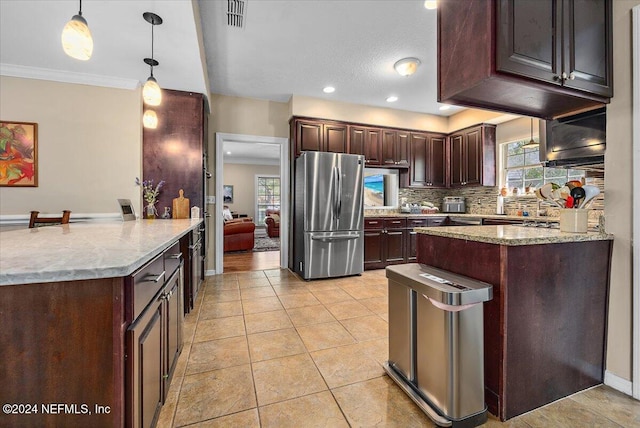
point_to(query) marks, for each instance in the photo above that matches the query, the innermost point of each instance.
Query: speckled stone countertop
(511, 235)
(79, 251)
(492, 216)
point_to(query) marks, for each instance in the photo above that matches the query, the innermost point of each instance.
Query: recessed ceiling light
(407, 66)
(430, 4)
(392, 99)
(329, 90)
(443, 108)
(228, 153)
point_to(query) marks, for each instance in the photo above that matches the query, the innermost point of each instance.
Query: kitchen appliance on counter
(328, 215)
(453, 204)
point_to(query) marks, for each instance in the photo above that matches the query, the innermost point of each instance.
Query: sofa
(272, 220)
(238, 234)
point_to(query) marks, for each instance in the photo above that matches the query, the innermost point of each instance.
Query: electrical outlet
(211, 199)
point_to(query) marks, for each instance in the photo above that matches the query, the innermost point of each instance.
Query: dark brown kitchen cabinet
(542, 58)
(428, 166)
(367, 142)
(321, 136)
(395, 147)
(412, 235)
(472, 160)
(384, 242)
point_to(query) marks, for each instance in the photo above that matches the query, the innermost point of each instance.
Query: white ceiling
(285, 48)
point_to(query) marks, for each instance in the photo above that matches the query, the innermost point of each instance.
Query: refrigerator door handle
(334, 238)
(334, 173)
(339, 198)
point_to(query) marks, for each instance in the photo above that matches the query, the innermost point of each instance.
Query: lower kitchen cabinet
(412, 236)
(384, 242)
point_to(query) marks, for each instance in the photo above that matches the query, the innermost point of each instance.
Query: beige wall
(248, 116)
(89, 146)
(243, 179)
(618, 212)
(325, 109)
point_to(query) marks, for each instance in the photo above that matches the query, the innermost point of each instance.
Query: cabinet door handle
(373, 222)
(572, 76)
(150, 277)
(175, 256)
(557, 77)
(563, 76)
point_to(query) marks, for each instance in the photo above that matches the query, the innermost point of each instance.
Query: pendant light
(151, 92)
(76, 38)
(150, 119)
(531, 144)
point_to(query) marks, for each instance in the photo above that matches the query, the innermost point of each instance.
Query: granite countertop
(79, 251)
(492, 216)
(511, 235)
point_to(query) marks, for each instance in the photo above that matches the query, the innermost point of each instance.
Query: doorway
(283, 145)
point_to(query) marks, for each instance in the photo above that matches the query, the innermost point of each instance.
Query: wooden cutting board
(181, 206)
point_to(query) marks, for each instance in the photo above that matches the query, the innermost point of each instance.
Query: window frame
(257, 205)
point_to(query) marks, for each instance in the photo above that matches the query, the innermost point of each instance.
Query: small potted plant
(150, 196)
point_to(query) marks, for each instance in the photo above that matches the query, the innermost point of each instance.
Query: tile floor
(265, 349)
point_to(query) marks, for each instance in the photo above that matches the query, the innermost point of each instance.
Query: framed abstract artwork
(227, 194)
(18, 154)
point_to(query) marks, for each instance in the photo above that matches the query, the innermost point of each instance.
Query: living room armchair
(272, 220)
(238, 234)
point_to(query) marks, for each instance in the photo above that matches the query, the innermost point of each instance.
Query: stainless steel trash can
(436, 350)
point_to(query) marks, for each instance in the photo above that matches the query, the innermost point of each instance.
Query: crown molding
(26, 72)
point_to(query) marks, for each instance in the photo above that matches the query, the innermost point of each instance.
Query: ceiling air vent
(235, 13)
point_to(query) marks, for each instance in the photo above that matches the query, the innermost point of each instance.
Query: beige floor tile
(493, 422)
(223, 285)
(283, 280)
(211, 310)
(298, 300)
(323, 336)
(257, 292)
(267, 321)
(168, 411)
(250, 275)
(222, 295)
(567, 413)
(333, 295)
(286, 378)
(349, 309)
(319, 285)
(218, 354)
(280, 273)
(612, 404)
(317, 410)
(290, 288)
(345, 365)
(379, 402)
(246, 419)
(366, 328)
(215, 393)
(377, 305)
(219, 328)
(362, 291)
(308, 315)
(275, 344)
(254, 282)
(262, 304)
(384, 316)
(377, 349)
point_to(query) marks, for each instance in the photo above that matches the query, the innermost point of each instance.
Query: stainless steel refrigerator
(328, 215)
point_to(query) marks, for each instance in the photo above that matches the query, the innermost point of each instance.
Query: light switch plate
(211, 199)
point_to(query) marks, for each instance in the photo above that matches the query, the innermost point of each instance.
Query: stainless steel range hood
(576, 142)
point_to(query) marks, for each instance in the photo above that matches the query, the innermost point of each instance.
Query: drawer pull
(176, 256)
(150, 277)
(373, 222)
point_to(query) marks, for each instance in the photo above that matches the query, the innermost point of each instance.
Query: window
(267, 195)
(522, 168)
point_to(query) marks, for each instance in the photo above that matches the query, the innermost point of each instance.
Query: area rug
(264, 243)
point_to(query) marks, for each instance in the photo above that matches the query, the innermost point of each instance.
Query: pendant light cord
(152, 25)
(80, 12)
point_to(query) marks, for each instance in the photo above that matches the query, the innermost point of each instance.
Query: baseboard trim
(618, 383)
(210, 272)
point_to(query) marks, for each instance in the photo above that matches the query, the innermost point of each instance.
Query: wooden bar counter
(545, 329)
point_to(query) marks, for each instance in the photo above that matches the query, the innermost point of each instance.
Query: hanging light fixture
(531, 144)
(151, 92)
(76, 37)
(407, 66)
(150, 119)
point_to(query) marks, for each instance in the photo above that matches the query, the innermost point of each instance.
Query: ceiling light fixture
(392, 99)
(329, 90)
(531, 144)
(151, 92)
(150, 119)
(430, 4)
(76, 37)
(443, 108)
(407, 66)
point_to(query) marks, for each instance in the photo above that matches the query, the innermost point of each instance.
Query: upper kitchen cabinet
(428, 167)
(542, 58)
(319, 135)
(395, 147)
(366, 141)
(175, 150)
(473, 152)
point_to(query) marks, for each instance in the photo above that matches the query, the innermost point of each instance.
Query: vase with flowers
(150, 195)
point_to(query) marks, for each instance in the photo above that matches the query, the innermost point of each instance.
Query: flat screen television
(380, 188)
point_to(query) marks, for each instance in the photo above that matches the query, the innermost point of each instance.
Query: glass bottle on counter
(166, 214)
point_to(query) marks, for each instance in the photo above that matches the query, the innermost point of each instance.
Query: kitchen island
(545, 328)
(70, 297)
